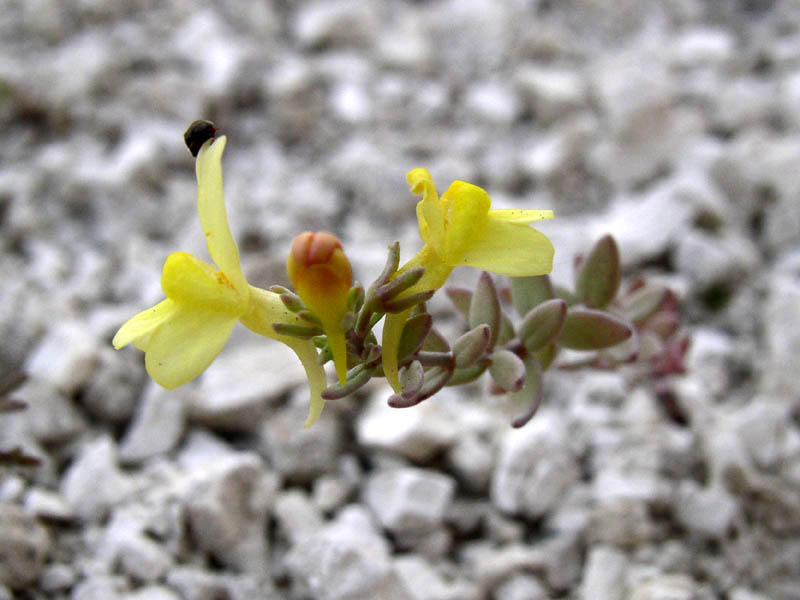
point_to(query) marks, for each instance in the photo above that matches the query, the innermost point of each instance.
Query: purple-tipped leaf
(485, 307)
(542, 325)
(507, 370)
(471, 346)
(414, 333)
(590, 329)
(599, 274)
(529, 398)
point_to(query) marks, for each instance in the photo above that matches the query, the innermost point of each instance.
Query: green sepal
(403, 304)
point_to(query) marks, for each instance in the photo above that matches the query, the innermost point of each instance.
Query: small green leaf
(471, 346)
(598, 277)
(542, 325)
(546, 356)
(411, 378)
(399, 284)
(590, 329)
(528, 292)
(469, 374)
(644, 302)
(507, 332)
(292, 302)
(397, 306)
(485, 307)
(414, 333)
(529, 398)
(356, 377)
(436, 342)
(507, 370)
(566, 295)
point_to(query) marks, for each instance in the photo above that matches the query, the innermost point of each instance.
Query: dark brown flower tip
(198, 134)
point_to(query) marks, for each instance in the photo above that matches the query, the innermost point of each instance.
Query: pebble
(535, 467)
(604, 575)
(300, 455)
(227, 509)
(409, 501)
(96, 462)
(235, 392)
(782, 335)
(550, 93)
(346, 559)
(24, 546)
(708, 512)
(418, 434)
(157, 426)
(66, 358)
(521, 586)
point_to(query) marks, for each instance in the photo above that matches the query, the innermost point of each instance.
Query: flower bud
(320, 272)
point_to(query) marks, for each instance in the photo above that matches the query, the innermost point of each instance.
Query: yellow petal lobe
(184, 345)
(510, 249)
(429, 209)
(191, 282)
(213, 218)
(141, 325)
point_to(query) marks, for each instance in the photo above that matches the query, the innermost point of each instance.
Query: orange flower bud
(320, 272)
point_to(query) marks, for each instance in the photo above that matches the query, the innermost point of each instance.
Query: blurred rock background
(673, 125)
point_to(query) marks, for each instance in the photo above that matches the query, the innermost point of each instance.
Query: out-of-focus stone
(50, 417)
(47, 504)
(57, 577)
(521, 586)
(622, 522)
(409, 501)
(157, 426)
(550, 93)
(782, 335)
(340, 22)
(112, 393)
(346, 560)
(705, 511)
(471, 460)
(227, 511)
(604, 575)
(24, 546)
(535, 467)
(296, 516)
(298, 454)
(417, 434)
(665, 587)
(65, 358)
(423, 581)
(492, 103)
(93, 483)
(708, 260)
(235, 393)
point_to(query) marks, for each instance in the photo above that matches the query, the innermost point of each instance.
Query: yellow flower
(183, 334)
(459, 229)
(320, 272)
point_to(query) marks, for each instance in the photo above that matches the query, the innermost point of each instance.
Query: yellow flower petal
(509, 249)
(465, 208)
(431, 223)
(191, 282)
(518, 215)
(211, 207)
(185, 344)
(267, 308)
(140, 326)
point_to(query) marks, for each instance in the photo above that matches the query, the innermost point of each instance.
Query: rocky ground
(673, 125)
